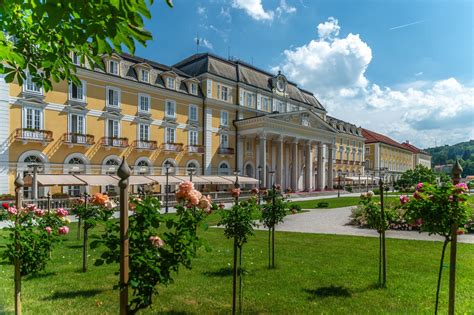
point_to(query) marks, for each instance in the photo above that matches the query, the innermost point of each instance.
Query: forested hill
(448, 154)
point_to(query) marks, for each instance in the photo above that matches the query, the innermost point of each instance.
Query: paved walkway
(335, 221)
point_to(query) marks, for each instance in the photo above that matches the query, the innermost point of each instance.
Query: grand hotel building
(205, 112)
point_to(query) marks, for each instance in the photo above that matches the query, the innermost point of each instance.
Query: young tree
(38, 36)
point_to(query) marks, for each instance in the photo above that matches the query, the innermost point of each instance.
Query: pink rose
(48, 229)
(60, 212)
(30, 207)
(12, 210)
(451, 198)
(419, 186)
(404, 199)
(461, 188)
(416, 195)
(205, 204)
(193, 197)
(156, 241)
(254, 191)
(39, 212)
(186, 186)
(63, 230)
(235, 192)
(221, 206)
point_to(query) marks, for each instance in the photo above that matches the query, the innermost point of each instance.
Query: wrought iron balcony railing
(198, 149)
(114, 142)
(172, 147)
(145, 145)
(224, 150)
(78, 138)
(26, 134)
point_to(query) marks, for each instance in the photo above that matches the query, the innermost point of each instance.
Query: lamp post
(259, 168)
(382, 281)
(167, 167)
(34, 184)
(191, 172)
(359, 181)
(339, 174)
(234, 280)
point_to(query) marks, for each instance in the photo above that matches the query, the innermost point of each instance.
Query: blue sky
(403, 68)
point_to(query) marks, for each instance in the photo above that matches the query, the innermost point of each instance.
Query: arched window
(75, 190)
(171, 169)
(249, 170)
(223, 169)
(32, 159)
(193, 165)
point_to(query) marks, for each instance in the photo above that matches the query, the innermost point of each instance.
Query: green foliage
(275, 208)
(92, 213)
(448, 154)
(29, 240)
(371, 211)
(417, 175)
(294, 206)
(238, 222)
(38, 36)
(322, 204)
(153, 258)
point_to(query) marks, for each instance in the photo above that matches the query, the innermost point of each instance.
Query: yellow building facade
(205, 112)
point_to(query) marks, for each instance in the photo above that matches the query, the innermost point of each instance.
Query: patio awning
(161, 179)
(98, 180)
(196, 179)
(139, 180)
(242, 179)
(54, 180)
(220, 180)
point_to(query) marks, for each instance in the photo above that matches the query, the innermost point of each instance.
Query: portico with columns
(296, 146)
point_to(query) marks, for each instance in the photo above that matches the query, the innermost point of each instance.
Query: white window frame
(119, 92)
(167, 129)
(107, 128)
(224, 143)
(84, 123)
(193, 134)
(29, 80)
(174, 108)
(168, 83)
(41, 117)
(145, 78)
(76, 59)
(265, 105)
(194, 89)
(224, 122)
(140, 96)
(84, 92)
(191, 108)
(109, 68)
(139, 132)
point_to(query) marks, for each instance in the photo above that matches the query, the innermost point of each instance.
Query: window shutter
(259, 102)
(209, 88)
(241, 97)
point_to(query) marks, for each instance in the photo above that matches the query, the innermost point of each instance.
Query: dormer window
(31, 86)
(194, 89)
(170, 83)
(144, 75)
(76, 59)
(113, 67)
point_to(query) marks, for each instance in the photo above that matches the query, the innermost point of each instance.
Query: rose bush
(159, 244)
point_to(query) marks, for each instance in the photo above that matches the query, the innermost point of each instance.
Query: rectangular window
(249, 99)
(224, 93)
(113, 97)
(193, 116)
(145, 75)
(77, 92)
(170, 109)
(194, 89)
(193, 137)
(76, 59)
(144, 132)
(170, 135)
(33, 118)
(113, 130)
(224, 140)
(77, 124)
(224, 118)
(170, 83)
(143, 103)
(113, 67)
(31, 86)
(266, 102)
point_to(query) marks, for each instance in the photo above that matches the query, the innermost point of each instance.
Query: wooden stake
(457, 171)
(18, 196)
(124, 173)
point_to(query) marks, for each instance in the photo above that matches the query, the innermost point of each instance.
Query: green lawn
(315, 274)
(338, 202)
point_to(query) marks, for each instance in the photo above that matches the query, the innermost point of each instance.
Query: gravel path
(334, 221)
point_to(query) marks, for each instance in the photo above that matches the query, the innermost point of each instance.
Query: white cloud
(421, 111)
(204, 42)
(225, 13)
(254, 9)
(329, 29)
(201, 11)
(285, 8)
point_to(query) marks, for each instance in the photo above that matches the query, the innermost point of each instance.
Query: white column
(279, 162)
(330, 167)
(309, 167)
(263, 158)
(240, 153)
(4, 134)
(208, 142)
(294, 162)
(321, 168)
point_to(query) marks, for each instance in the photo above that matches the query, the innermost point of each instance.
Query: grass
(315, 274)
(337, 202)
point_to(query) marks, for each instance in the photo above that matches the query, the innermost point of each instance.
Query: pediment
(304, 119)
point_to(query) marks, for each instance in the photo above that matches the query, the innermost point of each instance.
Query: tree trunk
(240, 280)
(79, 228)
(380, 259)
(269, 248)
(84, 249)
(273, 247)
(234, 280)
(446, 241)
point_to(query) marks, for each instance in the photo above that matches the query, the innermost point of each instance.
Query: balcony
(114, 142)
(172, 147)
(196, 149)
(225, 151)
(145, 145)
(78, 139)
(338, 161)
(33, 135)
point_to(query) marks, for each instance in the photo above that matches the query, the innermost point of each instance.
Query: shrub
(348, 188)
(294, 207)
(322, 204)
(376, 191)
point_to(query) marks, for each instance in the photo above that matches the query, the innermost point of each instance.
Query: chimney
(407, 142)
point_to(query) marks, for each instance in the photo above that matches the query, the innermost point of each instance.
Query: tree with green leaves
(417, 175)
(38, 36)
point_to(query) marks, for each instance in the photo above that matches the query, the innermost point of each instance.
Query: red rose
(5, 205)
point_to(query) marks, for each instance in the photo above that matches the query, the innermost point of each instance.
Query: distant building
(420, 157)
(382, 152)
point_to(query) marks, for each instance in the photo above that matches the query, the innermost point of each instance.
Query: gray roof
(239, 71)
(344, 127)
